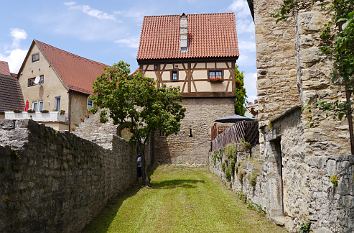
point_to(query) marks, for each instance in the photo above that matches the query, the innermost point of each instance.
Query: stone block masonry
(57, 182)
(192, 144)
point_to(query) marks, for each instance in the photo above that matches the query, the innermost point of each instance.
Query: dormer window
(174, 75)
(35, 57)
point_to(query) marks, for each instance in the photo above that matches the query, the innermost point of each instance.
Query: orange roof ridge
(75, 55)
(76, 73)
(212, 13)
(210, 35)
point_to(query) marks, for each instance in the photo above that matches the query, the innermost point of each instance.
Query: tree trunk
(348, 95)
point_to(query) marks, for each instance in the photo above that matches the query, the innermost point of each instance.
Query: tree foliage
(136, 102)
(240, 93)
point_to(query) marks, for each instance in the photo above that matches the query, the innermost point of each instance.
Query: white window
(89, 104)
(35, 106)
(40, 105)
(57, 103)
(174, 75)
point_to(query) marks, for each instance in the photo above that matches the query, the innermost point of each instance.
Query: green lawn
(180, 200)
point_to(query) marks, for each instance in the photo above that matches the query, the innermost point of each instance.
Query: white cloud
(17, 35)
(131, 42)
(251, 86)
(15, 58)
(247, 46)
(88, 10)
(14, 55)
(241, 8)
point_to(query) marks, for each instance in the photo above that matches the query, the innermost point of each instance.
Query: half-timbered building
(197, 53)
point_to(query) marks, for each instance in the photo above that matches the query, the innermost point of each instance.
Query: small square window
(41, 79)
(31, 82)
(215, 75)
(174, 75)
(89, 104)
(35, 57)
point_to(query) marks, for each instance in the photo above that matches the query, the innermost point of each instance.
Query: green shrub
(232, 166)
(334, 180)
(305, 227)
(223, 167)
(256, 207)
(242, 196)
(241, 173)
(253, 178)
(230, 150)
(228, 173)
(245, 145)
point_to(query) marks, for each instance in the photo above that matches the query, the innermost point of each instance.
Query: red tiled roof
(10, 91)
(4, 68)
(209, 36)
(77, 73)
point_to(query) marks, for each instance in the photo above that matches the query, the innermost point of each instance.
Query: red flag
(27, 105)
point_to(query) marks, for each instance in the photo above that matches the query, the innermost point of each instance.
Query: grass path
(180, 200)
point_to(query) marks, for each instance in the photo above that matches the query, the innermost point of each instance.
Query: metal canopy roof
(234, 118)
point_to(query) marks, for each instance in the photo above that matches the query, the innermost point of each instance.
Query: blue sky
(108, 31)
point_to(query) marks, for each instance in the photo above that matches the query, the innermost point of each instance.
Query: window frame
(177, 75)
(30, 82)
(41, 79)
(35, 57)
(40, 105)
(35, 106)
(215, 79)
(87, 105)
(57, 106)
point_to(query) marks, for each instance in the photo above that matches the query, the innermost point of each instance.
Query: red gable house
(55, 80)
(197, 53)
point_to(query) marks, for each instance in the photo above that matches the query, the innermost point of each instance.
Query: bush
(334, 180)
(228, 173)
(44, 111)
(253, 178)
(62, 112)
(31, 111)
(305, 227)
(241, 173)
(230, 150)
(223, 167)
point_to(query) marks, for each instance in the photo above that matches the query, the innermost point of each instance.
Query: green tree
(240, 93)
(337, 42)
(136, 103)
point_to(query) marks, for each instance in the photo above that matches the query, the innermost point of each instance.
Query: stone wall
(291, 187)
(276, 62)
(322, 130)
(303, 148)
(93, 130)
(57, 182)
(193, 149)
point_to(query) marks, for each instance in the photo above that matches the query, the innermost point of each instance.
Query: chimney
(183, 33)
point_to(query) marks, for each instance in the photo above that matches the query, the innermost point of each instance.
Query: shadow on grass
(176, 183)
(103, 220)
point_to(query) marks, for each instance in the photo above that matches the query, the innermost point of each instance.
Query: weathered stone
(57, 182)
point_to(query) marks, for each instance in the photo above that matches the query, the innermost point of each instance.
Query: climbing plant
(337, 43)
(240, 93)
